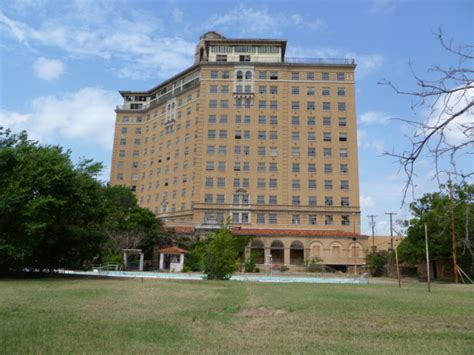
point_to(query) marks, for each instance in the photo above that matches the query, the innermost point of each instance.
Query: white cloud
(366, 202)
(367, 141)
(48, 69)
(374, 117)
(134, 38)
(366, 63)
(461, 129)
(86, 115)
(260, 21)
(382, 7)
(177, 15)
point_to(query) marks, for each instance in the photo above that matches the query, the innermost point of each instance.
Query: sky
(62, 64)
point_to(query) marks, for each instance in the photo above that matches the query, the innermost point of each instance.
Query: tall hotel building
(248, 134)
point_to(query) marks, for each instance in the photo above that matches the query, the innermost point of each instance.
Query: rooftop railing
(333, 61)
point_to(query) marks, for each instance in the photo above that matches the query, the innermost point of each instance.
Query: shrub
(378, 262)
(314, 265)
(284, 268)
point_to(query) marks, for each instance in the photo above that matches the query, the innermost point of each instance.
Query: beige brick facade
(245, 134)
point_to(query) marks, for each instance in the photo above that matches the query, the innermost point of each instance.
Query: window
(328, 184)
(223, 133)
(272, 218)
(209, 182)
(343, 168)
(212, 119)
(341, 106)
(326, 121)
(123, 141)
(295, 200)
(262, 120)
(295, 219)
(295, 121)
(342, 121)
(262, 135)
(208, 198)
(273, 183)
(210, 166)
(222, 150)
(295, 136)
(310, 105)
(311, 136)
(224, 89)
(238, 135)
(237, 166)
(239, 75)
(124, 130)
(295, 75)
(328, 168)
(122, 154)
(236, 182)
(246, 166)
(137, 141)
(246, 134)
(222, 166)
(326, 106)
(273, 120)
(340, 76)
(225, 74)
(214, 74)
(262, 89)
(261, 167)
(274, 105)
(345, 201)
(329, 220)
(327, 136)
(311, 121)
(248, 75)
(213, 89)
(295, 105)
(224, 103)
(262, 75)
(325, 76)
(273, 200)
(211, 150)
(295, 184)
(244, 58)
(312, 219)
(260, 218)
(212, 103)
(326, 91)
(311, 184)
(273, 167)
(295, 167)
(273, 75)
(224, 119)
(261, 199)
(345, 221)
(295, 90)
(261, 151)
(245, 182)
(312, 200)
(261, 183)
(343, 153)
(221, 182)
(220, 198)
(341, 91)
(262, 104)
(310, 91)
(311, 168)
(211, 134)
(309, 76)
(274, 90)
(235, 217)
(273, 151)
(327, 152)
(295, 151)
(344, 185)
(311, 152)
(342, 137)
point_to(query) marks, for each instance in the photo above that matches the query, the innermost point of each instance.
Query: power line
(372, 224)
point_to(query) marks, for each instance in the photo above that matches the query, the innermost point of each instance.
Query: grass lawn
(130, 316)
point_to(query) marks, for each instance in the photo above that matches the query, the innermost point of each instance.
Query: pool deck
(240, 277)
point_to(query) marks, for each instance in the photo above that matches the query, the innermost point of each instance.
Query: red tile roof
(180, 229)
(173, 250)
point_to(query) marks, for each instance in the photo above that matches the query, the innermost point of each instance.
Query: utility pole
(391, 228)
(427, 258)
(453, 232)
(372, 224)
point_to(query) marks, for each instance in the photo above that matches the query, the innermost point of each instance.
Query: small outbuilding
(172, 259)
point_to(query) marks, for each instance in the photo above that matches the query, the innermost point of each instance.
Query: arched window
(240, 75)
(296, 253)
(277, 251)
(248, 74)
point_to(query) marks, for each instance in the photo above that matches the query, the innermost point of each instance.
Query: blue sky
(62, 63)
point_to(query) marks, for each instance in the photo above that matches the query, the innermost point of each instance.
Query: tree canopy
(54, 214)
(434, 209)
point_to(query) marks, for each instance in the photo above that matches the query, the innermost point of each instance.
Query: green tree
(434, 209)
(128, 225)
(51, 212)
(219, 254)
